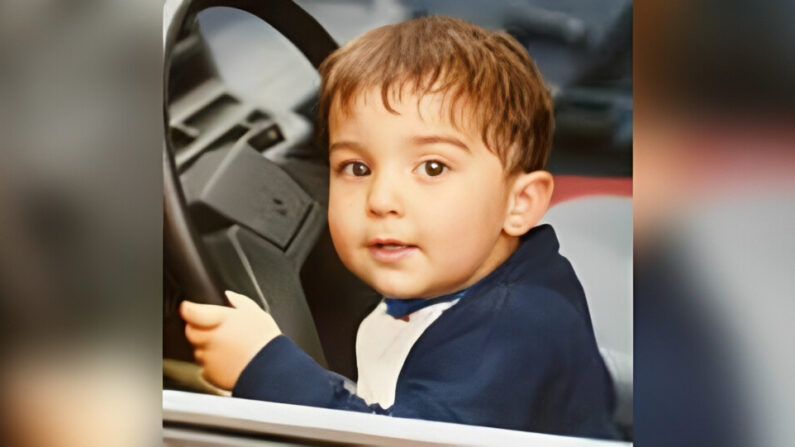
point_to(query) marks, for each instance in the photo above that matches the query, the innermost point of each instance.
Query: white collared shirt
(382, 344)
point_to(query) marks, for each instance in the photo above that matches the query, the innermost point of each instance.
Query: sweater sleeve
(282, 372)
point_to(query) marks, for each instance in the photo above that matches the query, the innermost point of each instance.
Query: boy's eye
(432, 168)
(356, 169)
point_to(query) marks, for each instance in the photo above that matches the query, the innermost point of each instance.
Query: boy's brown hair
(488, 73)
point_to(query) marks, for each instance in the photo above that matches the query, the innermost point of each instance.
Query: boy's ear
(529, 199)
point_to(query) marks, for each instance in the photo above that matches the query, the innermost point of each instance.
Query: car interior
(246, 183)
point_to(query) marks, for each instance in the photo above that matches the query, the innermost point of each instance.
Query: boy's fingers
(239, 301)
(202, 315)
(198, 336)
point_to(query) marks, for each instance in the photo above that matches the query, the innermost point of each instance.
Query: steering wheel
(261, 224)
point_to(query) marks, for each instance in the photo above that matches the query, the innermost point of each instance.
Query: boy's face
(416, 207)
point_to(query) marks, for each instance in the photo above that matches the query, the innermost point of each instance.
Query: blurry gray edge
(186, 415)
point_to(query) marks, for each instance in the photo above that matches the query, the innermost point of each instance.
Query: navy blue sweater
(517, 352)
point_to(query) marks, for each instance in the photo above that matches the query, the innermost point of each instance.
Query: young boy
(438, 132)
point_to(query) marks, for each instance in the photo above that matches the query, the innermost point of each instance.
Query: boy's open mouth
(388, 244)
(388, 250)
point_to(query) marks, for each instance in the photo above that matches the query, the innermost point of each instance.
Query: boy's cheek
(336, 219)
(341, 239)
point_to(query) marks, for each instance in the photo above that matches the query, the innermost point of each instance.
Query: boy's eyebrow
(433, 139)
(342, 144)
(418, 140)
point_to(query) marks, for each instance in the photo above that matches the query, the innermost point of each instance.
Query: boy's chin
(405, 284)
(395, 292)
(399, 296)
(405, 292)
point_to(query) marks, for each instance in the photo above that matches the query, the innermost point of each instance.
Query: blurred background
(81, 220)
(714, 214)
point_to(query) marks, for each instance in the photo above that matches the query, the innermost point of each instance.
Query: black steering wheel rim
(182, 250)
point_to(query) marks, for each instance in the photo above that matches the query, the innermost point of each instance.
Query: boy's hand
(225, 339)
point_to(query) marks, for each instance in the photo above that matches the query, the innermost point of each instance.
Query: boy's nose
(384, 196)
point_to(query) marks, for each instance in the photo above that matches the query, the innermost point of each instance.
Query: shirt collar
(399, 308)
